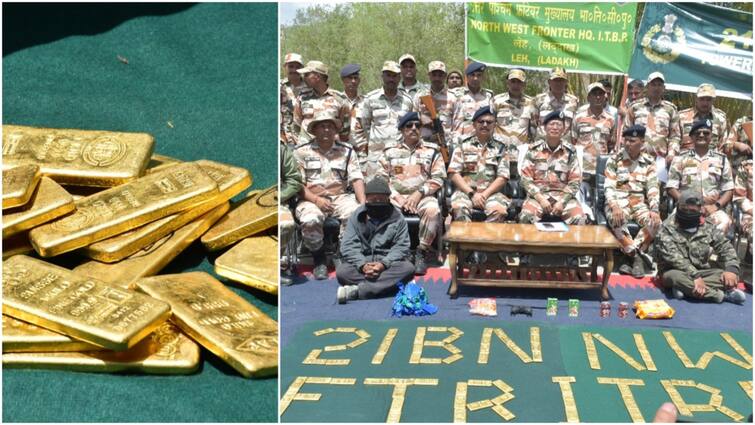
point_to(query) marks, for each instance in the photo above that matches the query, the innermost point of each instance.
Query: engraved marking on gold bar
(79, 157)
(84, 308)
(362, 333)
(503, 398)
(49, 202)
(221, 321)
(19, 184)
(121, 208)
(626, 395)
(738, 348)
(480, 382)
(484, 355)
(535, 346)
(425, 360)
(451, 348)
(477, 405)
(503, 412)
(165, 351)
(343, 381)
(252, 262)
(307, 397)
(671, 340)
(503, 386)
(340, 347)
(419, 339)
(291, 392)
(730, 359)
(22, 337)
(639, 340)
(437, 329)
(150, 260)
(746, 387)
(434, 344)
(337, 362)
(318, 380)
(592, 352)
(619, 352)
(716, 400)
(673, 393)
(324, 331)
(346, 330)
(570, 405)
(312, 357)
(253, 215)
(736, 417)
(460, 403)
(453, 358)
(356, 342)
(385, 346)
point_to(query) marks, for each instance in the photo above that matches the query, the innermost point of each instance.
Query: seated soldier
(743, 197)
(632, 193)
(686, 250)
(414, 170)
(479, 169)
(551, 176)
(374, 248)
(706, 172)
(328, 168)
(291, 184)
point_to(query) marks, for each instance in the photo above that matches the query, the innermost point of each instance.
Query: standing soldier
(328, 167)
(551, 177)
(467, 101)
(706, 172)
(632, 193)
(634, 93)
(316, 98)
(743, 197)
(442, 100)
(479, 169)
(511, 113)
(555, 99)
(351, 80)
(376, 124)
(415, 171)
(409, 84)
(659, 117)
(738, 145)
(454, 79)
(612, 110)
(703, 110)
(290, 87)
(593, 128)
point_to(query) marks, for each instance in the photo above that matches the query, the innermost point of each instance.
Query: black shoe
(320, 261)
(625, 269)
(638, 268)
(420, 267)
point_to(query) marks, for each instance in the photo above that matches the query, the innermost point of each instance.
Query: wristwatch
(471, 193)
(421, 190)
(718, 205)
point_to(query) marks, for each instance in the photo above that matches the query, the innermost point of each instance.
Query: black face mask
(687, 219)
(379, 210)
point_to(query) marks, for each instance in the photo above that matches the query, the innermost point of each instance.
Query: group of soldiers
(416, 136)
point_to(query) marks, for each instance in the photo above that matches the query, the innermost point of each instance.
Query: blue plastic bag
(411, 300)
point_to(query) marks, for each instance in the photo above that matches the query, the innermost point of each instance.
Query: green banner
(695, 43)
(581, 37)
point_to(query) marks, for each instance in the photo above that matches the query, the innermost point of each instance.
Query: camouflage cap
(326, 115)
(406, 56)
(595, 85)
(706, 90)
(314, 66)
(690, 197)
(517, 74)
(655, 75)
(556, 73)
(293, 57)
(391, 66)
(436, 66)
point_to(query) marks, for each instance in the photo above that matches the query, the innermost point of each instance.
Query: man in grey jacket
(374, 247)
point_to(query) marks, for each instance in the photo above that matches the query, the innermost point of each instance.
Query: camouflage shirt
(411, 91)
(443, 102)
(288, 94)
(544, 104)
(480, 163)
(466, 104)
(356, 103)
(693, 252)
(737, 134)
(631, 181)
(376, 123)
(743, 181)
(309, 104)
(409, 169)
(661, 122)
(327, 173)
(595, 134)
(709, 175)
(720, 128)
(512, 120)
(551, 172)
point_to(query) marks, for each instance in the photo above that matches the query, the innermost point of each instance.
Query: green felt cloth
(537, 398)
(209, 70)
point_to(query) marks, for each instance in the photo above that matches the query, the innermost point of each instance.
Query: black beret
(634, 131)
(700, 124)
(349, 69)
(555, 115)
(377, 186)
(410, 116)
(474, 66)
(480, 112)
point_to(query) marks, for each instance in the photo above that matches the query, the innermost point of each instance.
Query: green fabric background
(209, 69)
(538, 399)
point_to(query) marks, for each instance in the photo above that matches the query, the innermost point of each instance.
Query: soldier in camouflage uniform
(686, 248)
(738, 146)
(479, 169)
(351, 80)
(593, 128)
(409, 84)
(377, 119)
(743, 196)
(512, 113)
(290, 87)
(316, 98)
(551, 176)
(634, 93)
(555, 99)
(706, 172)
(291, 184)
(454, 79)
(415, 171)
(468, 100)
(659, 117)
(703, 110)
(632, 193)
(442, 100)
(327, 167)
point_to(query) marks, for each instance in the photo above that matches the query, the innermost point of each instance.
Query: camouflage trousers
(312, 218)
(532, 212)
(640, 214)
(746, 222)
(428, 211)
(496, 207)
(287, 226)
(721, 220)
(714, 288)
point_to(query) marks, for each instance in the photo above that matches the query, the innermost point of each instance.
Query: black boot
(320, 262)
(420, 267)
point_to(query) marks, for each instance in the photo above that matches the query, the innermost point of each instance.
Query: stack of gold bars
(127, 213)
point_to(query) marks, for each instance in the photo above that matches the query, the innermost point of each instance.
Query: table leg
(608, 268)
(594, 271)
(452, 259)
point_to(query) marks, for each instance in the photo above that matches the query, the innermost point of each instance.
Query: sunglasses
(702, 133)
(486, 122)
(412, 124)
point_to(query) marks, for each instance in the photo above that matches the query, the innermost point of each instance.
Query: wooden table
(465, 237)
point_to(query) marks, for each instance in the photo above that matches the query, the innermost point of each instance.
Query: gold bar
(253, 262)
(253, 215)
(385, 345)
(17, 244)
(121, 208)
(153, 258)
(22, 337)
(159, 162)
(87, 309)
(19, 184)
(79, 157)
(166, 352)
(219, 320)
(49, 202)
